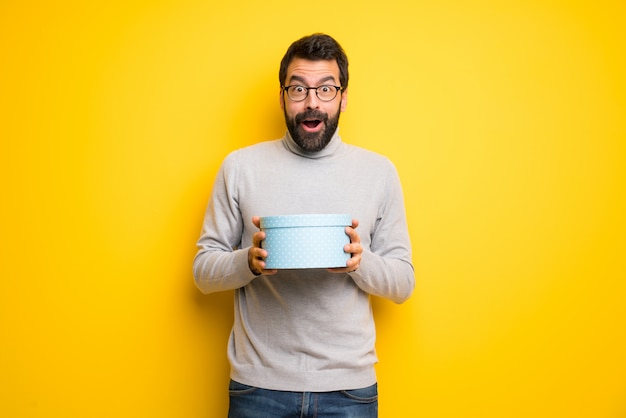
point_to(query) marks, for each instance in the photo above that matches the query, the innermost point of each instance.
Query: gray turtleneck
(305, 330)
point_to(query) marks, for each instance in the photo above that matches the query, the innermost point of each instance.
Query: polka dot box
(305, 241)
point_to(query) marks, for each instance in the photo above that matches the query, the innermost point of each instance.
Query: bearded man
(302, 342)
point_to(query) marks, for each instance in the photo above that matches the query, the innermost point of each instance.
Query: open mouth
(311, 124)
(311, 121)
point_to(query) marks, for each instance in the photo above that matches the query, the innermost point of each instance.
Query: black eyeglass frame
(337, 90)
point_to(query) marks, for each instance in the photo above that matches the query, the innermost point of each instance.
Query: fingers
(256, 254)
(257, 238)
(351, 231)
(354, 248)
(256, 261)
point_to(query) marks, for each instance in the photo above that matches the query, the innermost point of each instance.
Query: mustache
(311, 114)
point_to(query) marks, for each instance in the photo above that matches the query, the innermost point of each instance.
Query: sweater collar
(330, 149)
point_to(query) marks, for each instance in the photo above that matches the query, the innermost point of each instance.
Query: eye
(298, 89)
(325, 89)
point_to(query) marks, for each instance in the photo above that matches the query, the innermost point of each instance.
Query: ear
(282, 99)
(344, 100)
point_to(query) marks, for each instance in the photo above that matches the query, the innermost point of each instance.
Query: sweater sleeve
(386, 269)
(220, 263)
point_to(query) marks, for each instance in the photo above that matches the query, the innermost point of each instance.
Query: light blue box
(305, 241)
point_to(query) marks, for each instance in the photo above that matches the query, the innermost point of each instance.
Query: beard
(312, 141)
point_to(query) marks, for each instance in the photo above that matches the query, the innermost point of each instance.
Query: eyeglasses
(325, 93)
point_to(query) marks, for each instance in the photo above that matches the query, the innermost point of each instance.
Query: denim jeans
(251, 402)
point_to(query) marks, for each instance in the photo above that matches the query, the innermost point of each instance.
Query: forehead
(304, 70)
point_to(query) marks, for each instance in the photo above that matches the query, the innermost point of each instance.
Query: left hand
(353, 248)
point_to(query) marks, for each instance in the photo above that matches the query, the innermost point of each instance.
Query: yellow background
(505, 119)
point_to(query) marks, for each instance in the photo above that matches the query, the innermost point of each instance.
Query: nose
(312, 101)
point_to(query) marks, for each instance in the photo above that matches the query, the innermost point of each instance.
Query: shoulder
(252, 152)
(370, 158)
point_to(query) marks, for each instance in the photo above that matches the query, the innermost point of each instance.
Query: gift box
(305, 241)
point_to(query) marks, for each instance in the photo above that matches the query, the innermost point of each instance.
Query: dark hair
(316, 47)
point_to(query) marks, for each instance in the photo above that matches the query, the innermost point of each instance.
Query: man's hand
(256, 254)
(353, 248)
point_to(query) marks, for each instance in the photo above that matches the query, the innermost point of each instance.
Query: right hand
(256, 254)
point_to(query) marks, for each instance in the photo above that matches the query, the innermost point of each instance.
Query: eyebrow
(321, 81)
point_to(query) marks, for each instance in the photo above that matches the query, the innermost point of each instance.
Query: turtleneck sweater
(306, 329)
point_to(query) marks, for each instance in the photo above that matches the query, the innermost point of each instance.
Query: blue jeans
(251, 402)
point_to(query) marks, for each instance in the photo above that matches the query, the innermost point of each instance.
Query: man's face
(312, 122)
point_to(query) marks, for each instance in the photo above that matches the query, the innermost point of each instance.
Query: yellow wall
(507, 123)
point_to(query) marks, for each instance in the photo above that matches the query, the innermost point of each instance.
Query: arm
(385, 268)
(220, 263)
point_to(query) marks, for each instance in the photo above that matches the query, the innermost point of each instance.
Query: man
(302, 342)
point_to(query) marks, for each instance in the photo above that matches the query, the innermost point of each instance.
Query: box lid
(305, 220)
